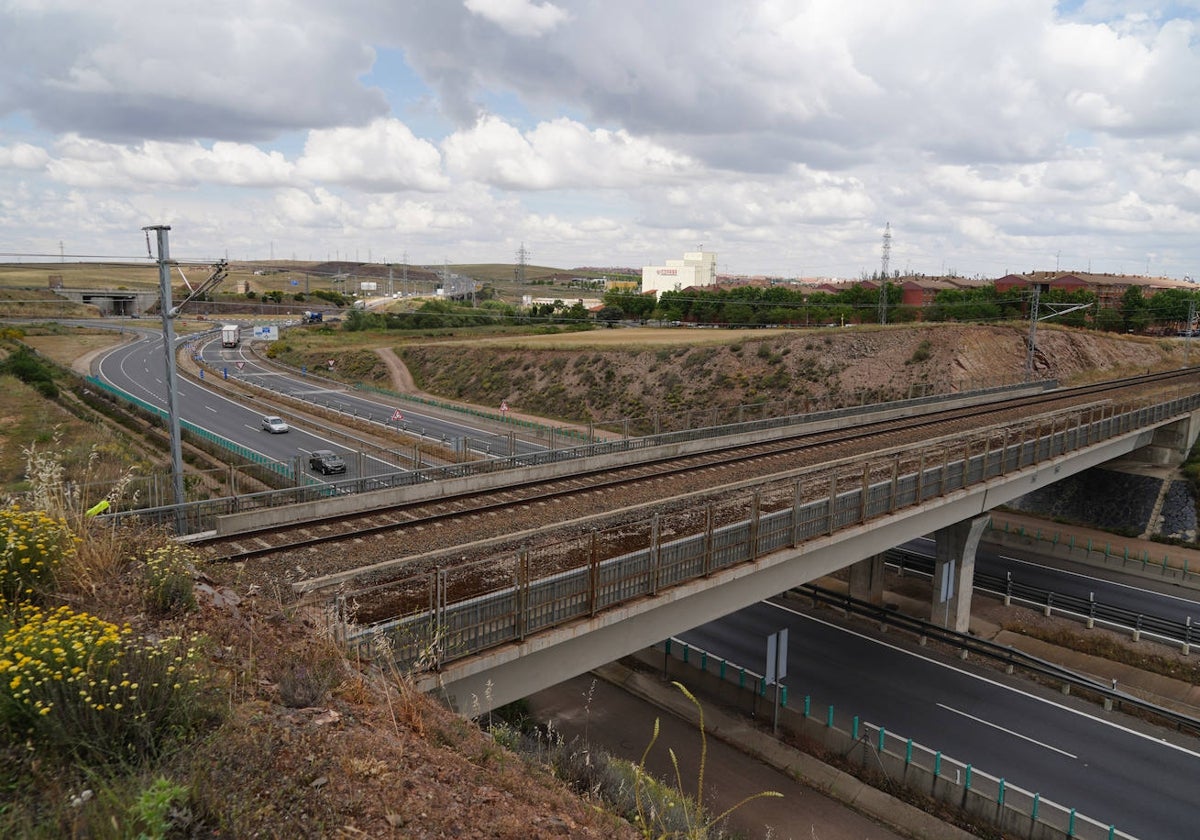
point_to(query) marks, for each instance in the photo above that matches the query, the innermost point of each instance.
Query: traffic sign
(240, 365)
(504, 405)
(396, 415)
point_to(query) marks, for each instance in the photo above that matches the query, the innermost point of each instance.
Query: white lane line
(1006, 731)
(1162, 742)
(1113, 583)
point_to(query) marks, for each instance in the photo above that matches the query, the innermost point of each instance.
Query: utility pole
(168, 319)
(169, 314)
(887, 257)
(1033, 319)
(1191, 329)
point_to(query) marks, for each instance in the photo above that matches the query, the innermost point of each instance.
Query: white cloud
(81, 162)
(559, 154)
(783, 134)
(384, 155)
(23, 156)
(519, 17)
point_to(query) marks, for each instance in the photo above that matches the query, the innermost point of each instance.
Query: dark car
(326, 461)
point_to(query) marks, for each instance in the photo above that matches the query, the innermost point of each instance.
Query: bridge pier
(954, 572)
(866, 580)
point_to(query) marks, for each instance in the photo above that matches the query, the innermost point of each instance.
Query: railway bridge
(520, 638)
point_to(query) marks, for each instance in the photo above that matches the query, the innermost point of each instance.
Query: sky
(987, 136)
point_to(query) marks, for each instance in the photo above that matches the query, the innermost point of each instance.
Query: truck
(313, 317)
(231, 335)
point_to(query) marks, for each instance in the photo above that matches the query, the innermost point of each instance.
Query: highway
(1152, 598)
(1113, 769)
(240, 363)
(138, 368)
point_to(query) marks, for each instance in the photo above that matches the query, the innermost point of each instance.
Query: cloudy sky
(993, 135)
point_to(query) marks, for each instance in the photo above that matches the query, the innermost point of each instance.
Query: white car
(274, 425)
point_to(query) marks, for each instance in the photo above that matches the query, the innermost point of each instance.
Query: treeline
(778, 305)
(444, 314)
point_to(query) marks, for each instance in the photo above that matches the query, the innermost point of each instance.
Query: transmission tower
(522, 258)
(883, 272)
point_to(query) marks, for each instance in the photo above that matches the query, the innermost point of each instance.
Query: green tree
(609, 315)
(1134, 312)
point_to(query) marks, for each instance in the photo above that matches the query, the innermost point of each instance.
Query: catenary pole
(168, 319)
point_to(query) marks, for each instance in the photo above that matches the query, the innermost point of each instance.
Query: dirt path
(403, 382)
(402, 379)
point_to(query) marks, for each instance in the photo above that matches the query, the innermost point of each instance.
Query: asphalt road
(240, 363)
(139, 368)
(1107, 767)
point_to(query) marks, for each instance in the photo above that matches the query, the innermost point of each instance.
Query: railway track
(390, 535)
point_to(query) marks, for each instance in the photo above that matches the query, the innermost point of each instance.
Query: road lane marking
(1162, 742)
(1006, 731)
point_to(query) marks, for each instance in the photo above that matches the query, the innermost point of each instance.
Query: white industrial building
(697, 268)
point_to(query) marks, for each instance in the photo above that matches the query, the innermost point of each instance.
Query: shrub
(167, 580)
(306, 680)
(32, 544)
(87, 688)
(31, 369)
(921, 353)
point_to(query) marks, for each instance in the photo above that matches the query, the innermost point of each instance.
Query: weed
(167, 580)
(32, 544)
(922, 353)
(154, 806)
(84, 687)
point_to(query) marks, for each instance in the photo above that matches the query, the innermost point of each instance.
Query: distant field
(540, 281)
(628, 338)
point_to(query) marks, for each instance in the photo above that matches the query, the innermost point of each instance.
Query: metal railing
(200, 516)
(1087, 610)
(447, 629)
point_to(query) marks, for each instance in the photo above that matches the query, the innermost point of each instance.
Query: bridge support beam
(954, 572)
(866, 580)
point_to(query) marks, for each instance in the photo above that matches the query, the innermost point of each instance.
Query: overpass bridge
(536, 632)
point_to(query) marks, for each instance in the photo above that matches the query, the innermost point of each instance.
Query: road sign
(240, 365)
(396, 415)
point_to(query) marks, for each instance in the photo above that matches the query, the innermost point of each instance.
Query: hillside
(605, 375)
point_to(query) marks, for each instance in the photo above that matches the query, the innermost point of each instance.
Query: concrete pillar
(954, 572)
(866, 580)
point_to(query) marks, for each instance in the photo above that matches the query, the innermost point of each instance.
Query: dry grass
(624, 338)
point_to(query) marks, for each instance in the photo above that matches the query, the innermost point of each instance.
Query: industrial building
(697, 268)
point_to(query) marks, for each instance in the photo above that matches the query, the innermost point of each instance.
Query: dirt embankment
(819, 369)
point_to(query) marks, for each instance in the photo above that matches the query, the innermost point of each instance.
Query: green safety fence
(256, 458)
(498, 417)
